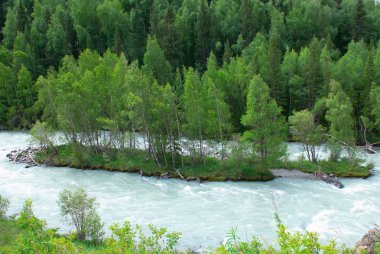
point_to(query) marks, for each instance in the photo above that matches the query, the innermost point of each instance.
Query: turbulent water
(202, 212)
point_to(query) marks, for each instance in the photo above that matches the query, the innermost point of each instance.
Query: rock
(368, 242)
(165, 175)
(331, 179)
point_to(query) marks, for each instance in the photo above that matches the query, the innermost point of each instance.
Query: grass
(211, 169)
(339, 168)
(8, 231)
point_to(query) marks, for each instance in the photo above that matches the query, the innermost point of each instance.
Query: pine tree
(58, 43)
(367, 81)
(24, 98)
(10, 29)
(204, 40)
(227, 54)
(138, 35)
(312, 73)
(265, 124)
(169, 39)
(377, 64)
(155, 62)
(246, 20)
(273, 75)
(359, 27)
(375, 106)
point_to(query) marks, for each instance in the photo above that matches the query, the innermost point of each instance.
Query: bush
(127, 239)
(288, 243)
(80, 210)
(34, 237)
(4, 204)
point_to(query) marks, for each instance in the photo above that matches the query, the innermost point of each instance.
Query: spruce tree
(375, 105)
(312, 73)
(204, 39)
(359, 26)
(246, 20)
(273, 72)
(155, 62)
(169, 38)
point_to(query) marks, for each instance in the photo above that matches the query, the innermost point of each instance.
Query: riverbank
(211, 169)
(25, 233)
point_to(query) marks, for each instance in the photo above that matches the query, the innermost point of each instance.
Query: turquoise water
(203, 212)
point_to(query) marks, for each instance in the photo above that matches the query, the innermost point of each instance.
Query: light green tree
(266, 126)
(80, 210)
(375, 105)
(305, 130)
(339, 116)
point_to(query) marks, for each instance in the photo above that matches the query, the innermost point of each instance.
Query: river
(203, 212)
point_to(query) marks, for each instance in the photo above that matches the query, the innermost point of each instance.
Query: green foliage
(124, 238)
(43, 135)
(155, 63)
(288, 242)
(265, 122)
(339, 115)
(30, 235)
(4, 204)
(305, 130)
(80, 211)
(296, 46)
(375, 105)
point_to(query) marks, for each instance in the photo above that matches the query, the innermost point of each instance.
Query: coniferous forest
(258, 71)
(193, 89)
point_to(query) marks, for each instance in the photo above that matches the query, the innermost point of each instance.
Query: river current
(203, 212)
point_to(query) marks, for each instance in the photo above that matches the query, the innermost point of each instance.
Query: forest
(187, 73)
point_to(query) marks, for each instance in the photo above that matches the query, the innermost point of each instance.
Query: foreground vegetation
(24, 233)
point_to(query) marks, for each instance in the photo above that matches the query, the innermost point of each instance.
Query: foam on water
(204, 212)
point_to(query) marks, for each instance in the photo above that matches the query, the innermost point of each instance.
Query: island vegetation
(242, 75)
(194, 89)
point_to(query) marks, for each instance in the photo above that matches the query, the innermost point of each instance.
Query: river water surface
(203, 212)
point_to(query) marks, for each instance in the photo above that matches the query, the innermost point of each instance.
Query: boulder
(368, 242)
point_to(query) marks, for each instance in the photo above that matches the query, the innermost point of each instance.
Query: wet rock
(331, 179)
(165, 175)
(368, 242)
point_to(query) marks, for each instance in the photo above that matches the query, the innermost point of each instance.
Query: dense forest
(205, 70)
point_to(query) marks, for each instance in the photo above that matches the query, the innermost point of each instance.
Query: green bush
(4, 204)
(80, 210)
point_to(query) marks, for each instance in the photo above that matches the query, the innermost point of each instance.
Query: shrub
(80, 210)
(127, 239)
(4, 204)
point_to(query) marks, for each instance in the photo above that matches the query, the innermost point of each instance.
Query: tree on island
(339, 116)
(305, 130)
(266, 126)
